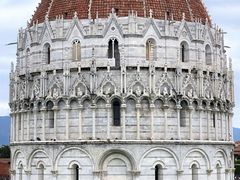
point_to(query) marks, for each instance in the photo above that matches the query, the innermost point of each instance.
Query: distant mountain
(236, 134)
(4, 130)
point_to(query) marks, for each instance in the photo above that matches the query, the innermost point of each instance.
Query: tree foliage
(5, 152)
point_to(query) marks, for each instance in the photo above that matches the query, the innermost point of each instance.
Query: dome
(193, 9)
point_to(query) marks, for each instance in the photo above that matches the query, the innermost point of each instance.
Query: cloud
(4, 109)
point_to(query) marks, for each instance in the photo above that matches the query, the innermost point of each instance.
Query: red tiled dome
(192, 8)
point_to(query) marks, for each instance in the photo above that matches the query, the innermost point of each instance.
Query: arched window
(116, 105)
(208, 55)
(150, 49)
(113, 51)
(50, 113)
(47, 53)
(76, 50)
(184, 51)
(194, 172)
(218, 172)
(183, 114)
(158, 172)
(20, 172)
(41, 172)
(75, 172)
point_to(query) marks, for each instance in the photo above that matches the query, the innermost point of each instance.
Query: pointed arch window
(113, 51)
(76, 50)
(208, 55)
(41, 172)
(75, 172)
(50, 113)
(194, 172)
(116, 107)
(184, 51)
(47, 53)
(158, 172)
(150, 49)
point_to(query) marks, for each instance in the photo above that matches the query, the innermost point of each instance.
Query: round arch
(202, 152)
(29, 161)
(122, 152)
(58, 157)
(161, 149)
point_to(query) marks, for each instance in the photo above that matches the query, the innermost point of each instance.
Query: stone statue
(79, 92)
(190, 93)
(165, 91)
(138, 91)
(36, 89)
(55, 93)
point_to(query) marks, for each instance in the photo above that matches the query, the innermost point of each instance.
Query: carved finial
(79, 67)
(138, 66)
(54, 72)
(113, 11)
(165, 67)
(75, 15)
(183, 16)
(108, 66)
(97, 15)
(150, 13)
(28, 24)
(206, 21)
(46, 17)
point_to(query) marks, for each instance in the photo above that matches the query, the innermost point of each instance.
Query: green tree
(5, 152)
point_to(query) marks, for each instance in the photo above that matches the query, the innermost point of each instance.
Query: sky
(15, 14)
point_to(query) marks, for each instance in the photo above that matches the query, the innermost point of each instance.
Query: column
(152, 106)
(12, 130)
(178, 122)
(28, 128)
(123, 121)
(221, 125)
(17, 127)
(208, 123)
(108, 106)
(230, 126)
(227, 127)
(43, 123)
(22, 125)
(93, 122)
(216, 125)
(55, 123)
(138, 106)
(200, 122)
(67, 122)
(165, 123)
(190, 122)
(35, 125)
(80, 122)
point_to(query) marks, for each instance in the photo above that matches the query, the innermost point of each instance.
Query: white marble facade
(170, 82)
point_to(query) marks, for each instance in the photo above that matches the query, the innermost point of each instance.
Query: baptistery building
(121, 90)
